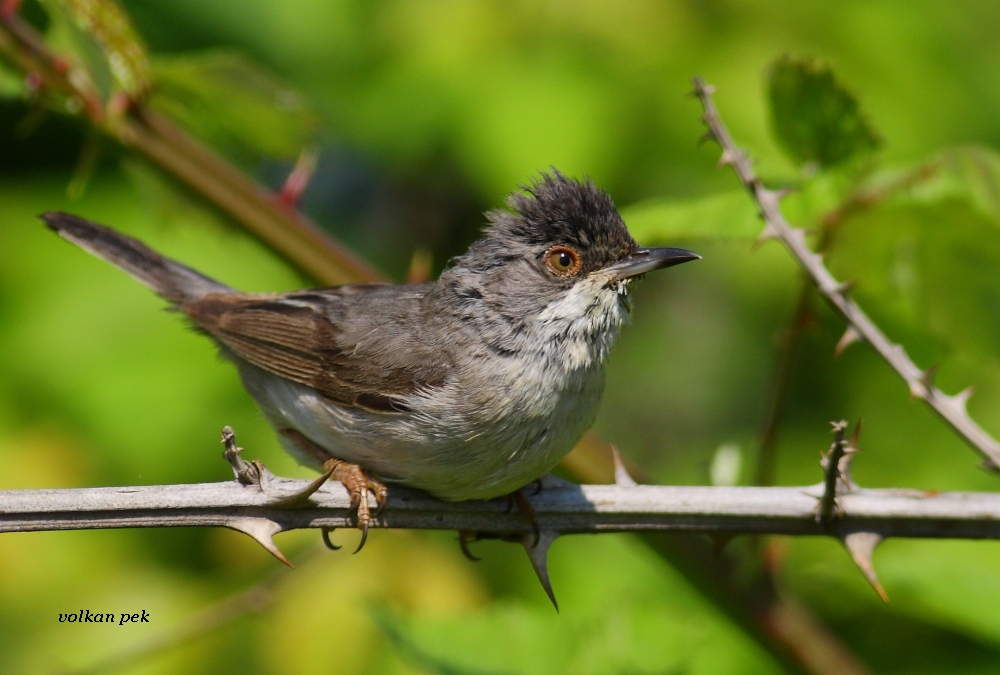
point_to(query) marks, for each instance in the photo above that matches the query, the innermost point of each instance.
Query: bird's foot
(357, 481)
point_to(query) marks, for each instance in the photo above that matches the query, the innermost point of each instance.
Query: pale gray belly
(456, 444)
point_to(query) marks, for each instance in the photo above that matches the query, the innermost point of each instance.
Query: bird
(468, 387)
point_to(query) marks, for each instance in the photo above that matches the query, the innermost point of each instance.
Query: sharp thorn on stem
(861, 546)
(849, 337)
(538, 556)
(622, 477)
(844, 288)
(262, 531)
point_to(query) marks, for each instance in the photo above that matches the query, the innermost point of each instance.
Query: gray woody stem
(561, 507)
(952, 409)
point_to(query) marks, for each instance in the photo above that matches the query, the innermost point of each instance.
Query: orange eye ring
(563, 261)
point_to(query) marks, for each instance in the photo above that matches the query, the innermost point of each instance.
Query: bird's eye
(563, 260)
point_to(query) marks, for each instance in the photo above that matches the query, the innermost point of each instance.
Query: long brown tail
(168, 278)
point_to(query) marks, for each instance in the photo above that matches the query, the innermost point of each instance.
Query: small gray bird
(469, 387)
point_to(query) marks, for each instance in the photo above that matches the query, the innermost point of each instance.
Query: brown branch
(952, 409)
(280, 227)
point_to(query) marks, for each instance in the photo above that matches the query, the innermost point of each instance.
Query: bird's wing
(355, 345)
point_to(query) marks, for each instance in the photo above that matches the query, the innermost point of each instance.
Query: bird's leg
(519, 497)
(357, 481)
(524, 504)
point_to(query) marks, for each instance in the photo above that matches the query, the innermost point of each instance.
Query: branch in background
(803, 317)
(265, 215)
(952, 409)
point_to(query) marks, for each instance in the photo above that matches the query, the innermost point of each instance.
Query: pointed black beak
(644, 260)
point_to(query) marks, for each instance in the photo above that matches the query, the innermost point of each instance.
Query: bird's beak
(644, 260)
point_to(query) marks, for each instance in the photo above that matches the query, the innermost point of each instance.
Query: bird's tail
(170, 279)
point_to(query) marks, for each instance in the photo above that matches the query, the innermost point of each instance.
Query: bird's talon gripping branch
(464, 537)
(325, 533)
(527, 510)
(357, 481)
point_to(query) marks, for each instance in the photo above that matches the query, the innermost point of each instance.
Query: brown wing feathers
(292, 335)
(292, 339)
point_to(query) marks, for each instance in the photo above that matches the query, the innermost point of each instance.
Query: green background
(428, 114)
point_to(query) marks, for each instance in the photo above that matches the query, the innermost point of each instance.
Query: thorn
(852, 445)
(622, 479)
(325, 533)
(769, 232)
(768, 199)
(927, 377)
(725, 159)
(961, 400)
(844, 288)
(298, 180)
(537, 555)
(262, 530)
(924, 384)
(850, 336)
(708, 136)
(861, 546)
(850, 449)
(700, 88)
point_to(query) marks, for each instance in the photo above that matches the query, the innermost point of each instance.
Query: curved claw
(364, 537)
(537, 484)
(463, 542)
(325, 533)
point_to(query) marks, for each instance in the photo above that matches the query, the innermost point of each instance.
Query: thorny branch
(562, 507)
(248, 504)
(951, 408)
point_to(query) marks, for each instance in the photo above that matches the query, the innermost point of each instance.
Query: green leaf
(816, 120)
(927, 273)
(727, 215)
(106, 41)
(231, 101)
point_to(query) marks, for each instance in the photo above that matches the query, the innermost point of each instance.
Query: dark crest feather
(554, 210)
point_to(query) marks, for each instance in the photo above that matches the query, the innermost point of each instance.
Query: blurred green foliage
(814, 117)
(427, 114)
